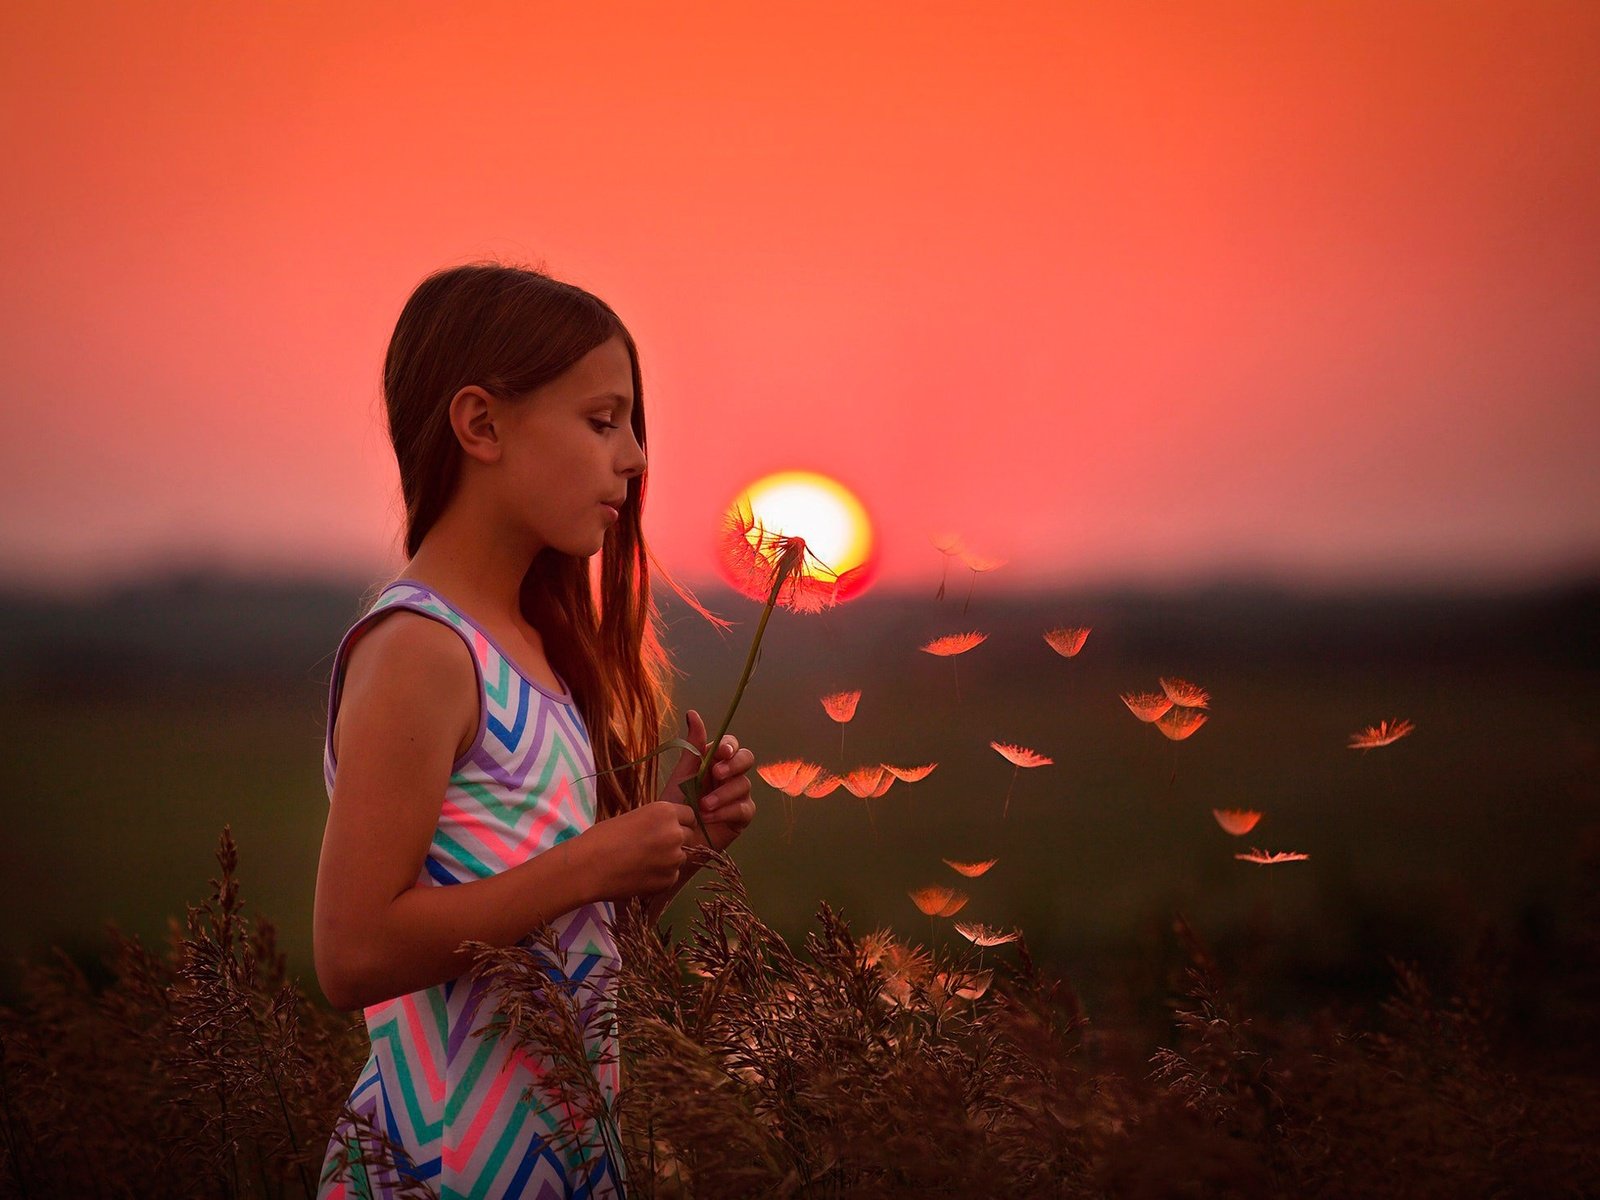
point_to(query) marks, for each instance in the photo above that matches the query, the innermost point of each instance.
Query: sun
(821, 510)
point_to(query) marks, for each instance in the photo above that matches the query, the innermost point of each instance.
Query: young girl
(465, 730)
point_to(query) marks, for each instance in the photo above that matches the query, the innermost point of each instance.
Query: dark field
(138, 725)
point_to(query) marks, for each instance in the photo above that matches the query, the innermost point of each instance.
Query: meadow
(140, 725)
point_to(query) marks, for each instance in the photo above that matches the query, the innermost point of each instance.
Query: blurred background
(1259, 338)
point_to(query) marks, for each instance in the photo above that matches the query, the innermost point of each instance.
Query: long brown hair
(510, 329)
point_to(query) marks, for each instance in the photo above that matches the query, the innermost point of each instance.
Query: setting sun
(821, 510)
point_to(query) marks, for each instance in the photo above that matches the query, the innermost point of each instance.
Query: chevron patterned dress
(449, 1100)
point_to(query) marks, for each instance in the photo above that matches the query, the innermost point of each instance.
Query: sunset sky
(1119, 291)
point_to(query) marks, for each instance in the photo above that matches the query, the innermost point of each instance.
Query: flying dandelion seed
(910, 774)
(866, 783)
(1179, 723)
(981, 935)
(951, 645)
(825, 783)
(1381, 734)
(1019, 756)
(1262, 858)
(1147, 706)
(863, 781)
(1068, 640)
(970, 869)
(977, 563)
(1237, 821)
(1185, 694)
(791, 777)
(964, 985)
(841, 707)
(938, 901)
(948, 545)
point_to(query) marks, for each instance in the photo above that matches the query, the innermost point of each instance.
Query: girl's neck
(484, 574)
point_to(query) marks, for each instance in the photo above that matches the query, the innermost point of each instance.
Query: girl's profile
(481, 712)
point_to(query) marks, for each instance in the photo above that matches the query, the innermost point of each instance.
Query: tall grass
(859, 1066)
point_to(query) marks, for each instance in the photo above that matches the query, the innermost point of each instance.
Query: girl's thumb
(688, 763)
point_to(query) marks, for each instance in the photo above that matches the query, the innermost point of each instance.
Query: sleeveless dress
(451, 1100)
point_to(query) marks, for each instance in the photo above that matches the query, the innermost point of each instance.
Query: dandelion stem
(786, 566)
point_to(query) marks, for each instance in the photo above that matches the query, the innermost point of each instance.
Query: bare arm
(409, 695)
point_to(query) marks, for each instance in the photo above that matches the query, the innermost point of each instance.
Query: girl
(464, 732)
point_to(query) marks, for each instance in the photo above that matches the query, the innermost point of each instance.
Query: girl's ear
(472, 418)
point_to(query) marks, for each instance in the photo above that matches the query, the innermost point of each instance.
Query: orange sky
(1117, 290)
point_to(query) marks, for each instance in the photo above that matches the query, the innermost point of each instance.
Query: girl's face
(570, 452)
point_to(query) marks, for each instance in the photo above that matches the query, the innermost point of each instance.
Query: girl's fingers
(736, 764)
(728, 794)
(738, 812)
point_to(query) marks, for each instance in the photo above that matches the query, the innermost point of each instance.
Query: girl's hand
(727, 807)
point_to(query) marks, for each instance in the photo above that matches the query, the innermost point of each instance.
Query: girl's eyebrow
(617, 396)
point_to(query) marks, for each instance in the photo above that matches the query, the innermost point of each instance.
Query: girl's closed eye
(599, 424)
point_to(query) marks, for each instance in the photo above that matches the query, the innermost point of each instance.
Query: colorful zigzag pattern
(448, 1096)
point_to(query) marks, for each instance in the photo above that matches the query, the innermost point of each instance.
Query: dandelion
(1262, 858)
(1237, 821)
(1147, 706)
(950, 646)
(910, 774)
(947, 544)
(1019, 757)
(970, 869)
(978, 563)
(841, 707)
(1068, 640)
(1185, 694)
(1381, 734)
(778, 569)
